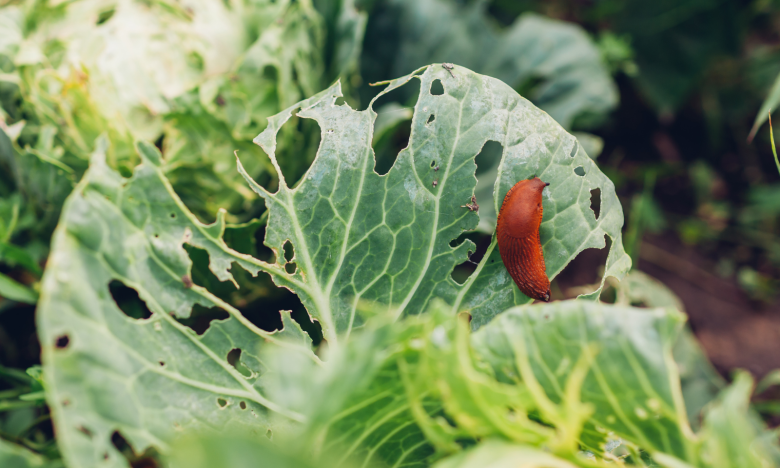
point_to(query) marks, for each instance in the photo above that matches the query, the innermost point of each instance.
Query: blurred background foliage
(669, 95)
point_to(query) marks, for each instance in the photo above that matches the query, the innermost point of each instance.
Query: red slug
(518, 238)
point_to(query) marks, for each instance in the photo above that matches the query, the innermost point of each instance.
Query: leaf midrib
(437, 199)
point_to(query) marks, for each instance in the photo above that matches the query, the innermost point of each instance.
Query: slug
(518, 238)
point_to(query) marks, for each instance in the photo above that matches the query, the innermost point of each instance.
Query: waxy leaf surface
(144, 379)
(358, 238)
(389, 238)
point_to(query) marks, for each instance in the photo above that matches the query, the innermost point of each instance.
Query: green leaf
(357, 236)
(730, 427)
(15, 291)
(149, 378)
(16, 456)
(700, 382)
(769, 380)
(356, 405)
(412, 391)
(638, 288)
(361, 236)
(345, 28)
(769, 105)
(202, 80)
(676, 44)
(382, 398)
(632, 382)
(552, 63)
(236, 451)
(498, 454)
(388, 118)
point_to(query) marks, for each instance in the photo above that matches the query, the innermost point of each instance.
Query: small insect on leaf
(449, 67)
(187, 281)
(473, 205)
(518, 238)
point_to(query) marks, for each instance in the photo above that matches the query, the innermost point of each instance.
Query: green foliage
(361, 236)
(422, 390)
(674, 44)
(12, 289)
(552, 63)
(148, 359)
(774, 150)
(23, 440)
(575, 383)
(767, 107)
(201, 79)
(15, 456)
(80, 320)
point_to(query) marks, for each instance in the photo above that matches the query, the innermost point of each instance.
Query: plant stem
(633, 239)
(772, 139)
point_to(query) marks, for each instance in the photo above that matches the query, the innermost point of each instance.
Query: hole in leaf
(160, 142)
(290, 268)
(574, 149)
(294, 155)
(437, 88)
(242, 405)
(393, 124)
(340, 101)
(201, 275)
(488, 160)
(464, 315)
(387, 148)
(264, 313)
(431, 119)
(489, 157)
(311, 326)
(84, 431)
(464, 270)
(201, 317)
(222, 402)
(262, 251)
(244, 238)
(260, 307)
(234, 359)
(173, 215)
(269, 434)
(580, 171)
(583, 274)
(289, 251)
(148, 459)
(609, 293)
(62, 342)
(595, 202)
(128, 301)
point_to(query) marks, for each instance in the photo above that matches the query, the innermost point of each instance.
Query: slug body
(518, 238)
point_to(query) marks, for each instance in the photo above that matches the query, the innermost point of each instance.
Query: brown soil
(735, 332)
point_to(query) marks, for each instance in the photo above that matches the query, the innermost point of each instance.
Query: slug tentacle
(518, 238)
